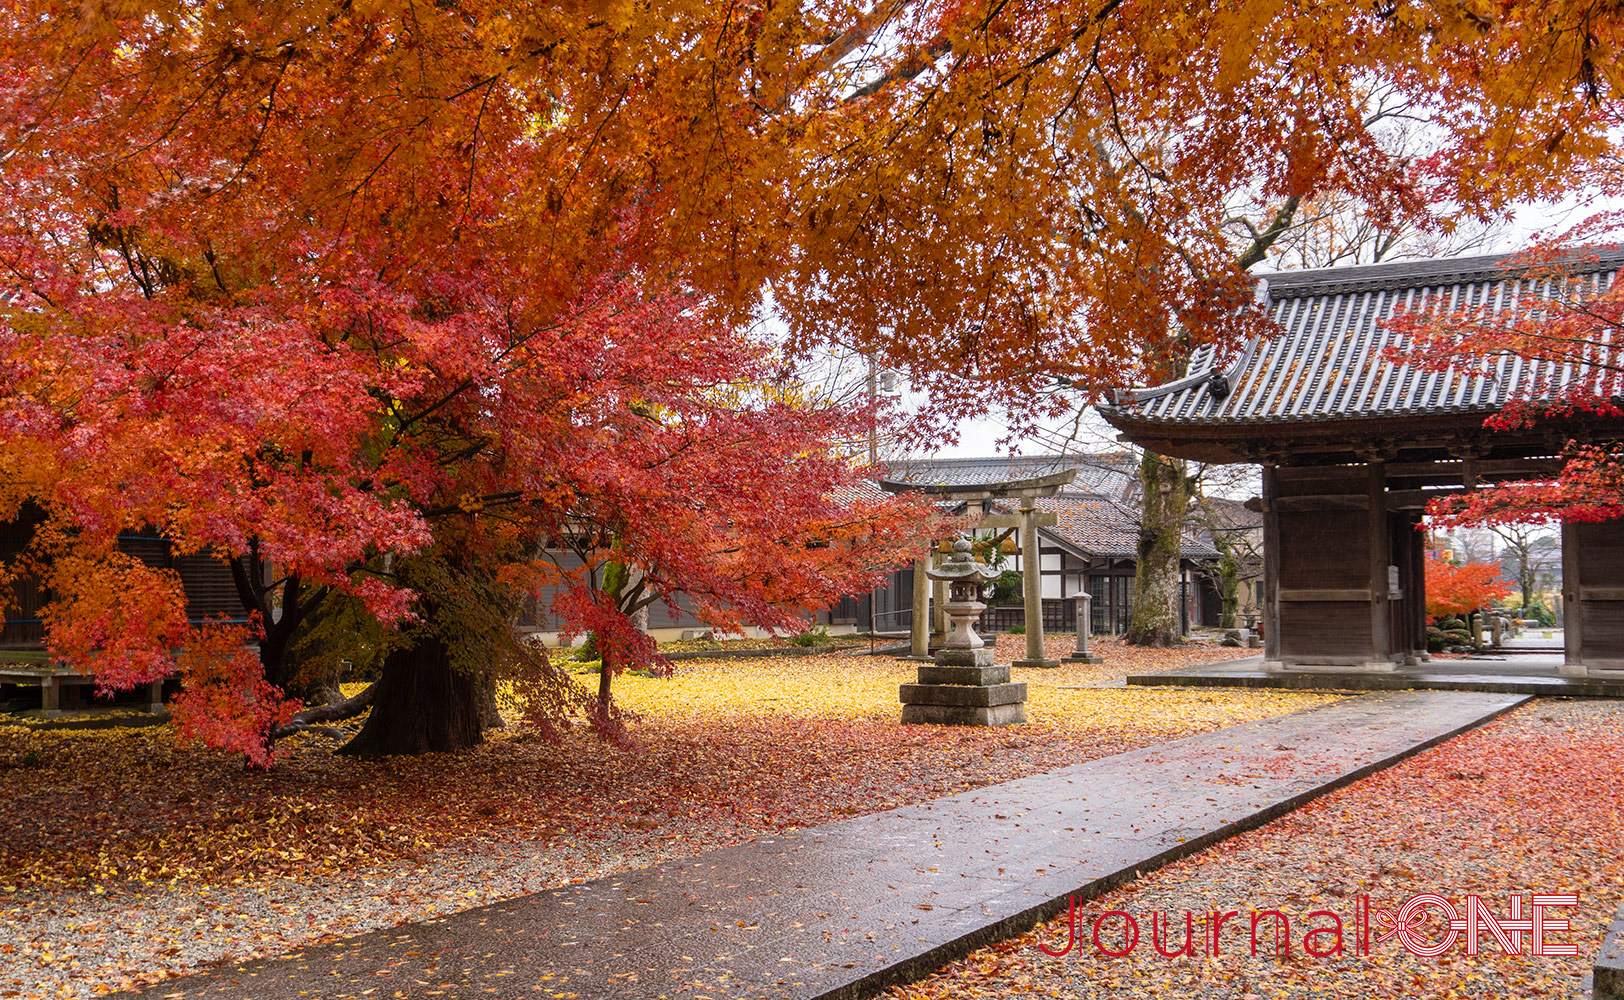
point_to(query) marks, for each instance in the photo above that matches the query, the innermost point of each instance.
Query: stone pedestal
(50, 690)
(1608, 972)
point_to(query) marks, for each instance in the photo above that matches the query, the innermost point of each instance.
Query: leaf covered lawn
(125, 859)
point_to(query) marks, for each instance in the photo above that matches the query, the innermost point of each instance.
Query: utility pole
(873, 417)
(873, 460)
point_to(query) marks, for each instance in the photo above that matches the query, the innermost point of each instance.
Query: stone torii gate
(976, 502)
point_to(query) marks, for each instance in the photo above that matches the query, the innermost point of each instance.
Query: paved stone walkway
(1502, 673)
(847, 909)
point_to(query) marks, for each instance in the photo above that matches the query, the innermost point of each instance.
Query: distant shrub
(1017, 630)
(1447, 632)
(1006, 588)
(1540, 613)
(818, 635)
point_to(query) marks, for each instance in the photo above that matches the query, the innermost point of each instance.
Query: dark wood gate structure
(1353, 445)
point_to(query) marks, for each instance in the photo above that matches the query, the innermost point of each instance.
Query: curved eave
(1036, 486)
(1238, 441)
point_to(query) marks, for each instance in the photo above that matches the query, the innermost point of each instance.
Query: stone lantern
(963, 686)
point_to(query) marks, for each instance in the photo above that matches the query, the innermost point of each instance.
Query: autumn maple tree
(1461, 588)
(380, 298)
(1069, 196)
(372, 321)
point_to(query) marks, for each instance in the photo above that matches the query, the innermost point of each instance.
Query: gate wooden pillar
(1593, 597)
(1418, 578)
(1330, 558)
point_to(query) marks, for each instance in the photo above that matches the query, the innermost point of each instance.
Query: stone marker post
(964, 687)
(1497, 630)
(1085, 625)
(1477, 631)
(50, 695)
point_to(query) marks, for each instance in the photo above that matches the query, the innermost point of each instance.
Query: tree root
(299, 727)
(349, 708)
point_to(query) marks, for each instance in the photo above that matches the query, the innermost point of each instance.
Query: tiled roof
(1231, 515)
(1100, 526)
(974, 471)
(862, 491)
(1327, 363)
(1095, 525)
(1111, 474)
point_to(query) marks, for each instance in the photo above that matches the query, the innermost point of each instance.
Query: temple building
(1353, 445)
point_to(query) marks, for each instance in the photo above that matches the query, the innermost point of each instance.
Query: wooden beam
(1305, 595)
(1484, 467)
(1271, 565)
(1601, 593)
(1398, 500)
(1381, 557)
(1322, 501)
(1573, 648)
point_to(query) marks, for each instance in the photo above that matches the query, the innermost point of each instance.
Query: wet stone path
(847, 909)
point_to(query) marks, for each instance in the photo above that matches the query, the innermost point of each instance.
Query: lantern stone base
(981, 657)
(964, 687)
(971, 702)
(1074, 658)
(1043, 664)
(957, 715)
(984, 675)
(974, 695)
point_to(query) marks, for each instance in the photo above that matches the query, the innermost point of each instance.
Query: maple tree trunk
(490, 714)
(1229, 581)
(422, 705)
(1155, 618)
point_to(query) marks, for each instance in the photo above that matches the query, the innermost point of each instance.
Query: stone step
(949, 657)
(976, 695)
(964, 715)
